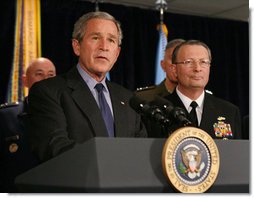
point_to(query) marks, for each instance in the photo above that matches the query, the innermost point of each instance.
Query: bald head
(39, 69)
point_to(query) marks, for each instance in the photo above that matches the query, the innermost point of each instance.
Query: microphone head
(138, 104)
(180, 115)
(164, 104)
(178, 111)
(161, 102)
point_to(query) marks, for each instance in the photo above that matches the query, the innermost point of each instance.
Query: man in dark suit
(169, 83)
(15, 154)
(219, 118)
(66, 110)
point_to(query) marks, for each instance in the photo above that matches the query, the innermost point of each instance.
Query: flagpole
(97, 4)
(161, 5)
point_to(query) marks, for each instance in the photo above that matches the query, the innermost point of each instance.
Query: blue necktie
(105, 110)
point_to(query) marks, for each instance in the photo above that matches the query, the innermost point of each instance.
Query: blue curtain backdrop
(228, 40)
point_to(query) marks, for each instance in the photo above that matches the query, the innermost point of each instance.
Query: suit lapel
(119, 108)
(177, 101)
(83, 97)
(208, 115)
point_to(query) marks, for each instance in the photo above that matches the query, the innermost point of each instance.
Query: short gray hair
(174, 43)
(81, 23)
(190, 42)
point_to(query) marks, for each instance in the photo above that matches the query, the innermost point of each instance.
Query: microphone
(181, 117)
(170, 111)
(164, 104)
(139, 105)
(152, 112)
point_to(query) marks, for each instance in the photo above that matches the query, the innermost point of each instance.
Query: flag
(27, 45)
(163, 34)
(108, 76)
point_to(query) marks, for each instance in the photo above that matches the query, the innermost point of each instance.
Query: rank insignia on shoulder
(222, 129)
(4, 105)
(145, 88)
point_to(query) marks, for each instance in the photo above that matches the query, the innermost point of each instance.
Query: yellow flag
(27, 45)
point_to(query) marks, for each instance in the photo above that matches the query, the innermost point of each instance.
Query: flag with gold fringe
(163, 35)
(27, 45)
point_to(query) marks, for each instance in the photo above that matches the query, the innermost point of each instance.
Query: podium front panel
(128, 165)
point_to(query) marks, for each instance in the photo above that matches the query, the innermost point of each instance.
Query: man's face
(167, 65)
(194, 76)
(99, 48)
(39, 71)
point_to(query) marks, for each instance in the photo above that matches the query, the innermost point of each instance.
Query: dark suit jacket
(63, 112)
(15, 154)
(213, 108)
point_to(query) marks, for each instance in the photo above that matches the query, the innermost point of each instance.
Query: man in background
(169, 83)
(39, 69)
(15, 155)
(219, 118)
(167, 86)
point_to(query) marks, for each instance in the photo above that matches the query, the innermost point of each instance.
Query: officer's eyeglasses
(191, 62)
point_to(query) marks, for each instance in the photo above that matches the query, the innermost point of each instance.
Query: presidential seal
(190, 160)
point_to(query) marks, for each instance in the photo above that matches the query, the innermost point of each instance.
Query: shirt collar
(187, 101)
(91, 82)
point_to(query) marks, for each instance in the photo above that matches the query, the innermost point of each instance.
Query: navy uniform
(148, 94)
(15, 155)
(220, 118)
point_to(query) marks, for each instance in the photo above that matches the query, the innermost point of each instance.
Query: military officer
(15, 155)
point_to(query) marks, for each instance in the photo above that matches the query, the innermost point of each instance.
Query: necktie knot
(193, 104)
(99, 87)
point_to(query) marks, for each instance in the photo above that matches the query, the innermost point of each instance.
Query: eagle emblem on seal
(191, 164)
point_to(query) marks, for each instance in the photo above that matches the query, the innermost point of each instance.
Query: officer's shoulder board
(145, 88)
(6, 105)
